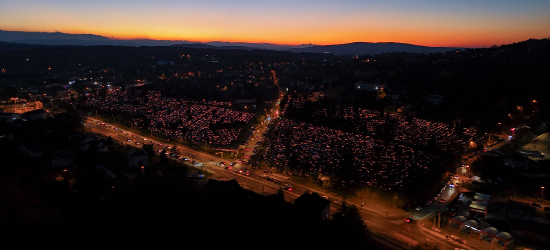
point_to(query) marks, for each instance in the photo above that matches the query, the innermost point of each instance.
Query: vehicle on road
(419, 208)
(137, 143)
(408, 220)
(228, 167)
(128, 139)
(533, 204)
(287, 188)
(442, 200)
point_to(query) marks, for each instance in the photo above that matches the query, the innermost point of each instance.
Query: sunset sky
(463, 23)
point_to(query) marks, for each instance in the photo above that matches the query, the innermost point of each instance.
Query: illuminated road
(390, 229)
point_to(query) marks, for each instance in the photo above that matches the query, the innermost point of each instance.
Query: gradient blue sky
(465, 23)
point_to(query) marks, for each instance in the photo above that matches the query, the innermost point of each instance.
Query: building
(371, 87)
(138, 158)
(315, 96)
(313, 205)
(480, 203)
(516, 161)
(538, 148)
(9, 117)
(37, 114)
(434, 99)
(31, 150)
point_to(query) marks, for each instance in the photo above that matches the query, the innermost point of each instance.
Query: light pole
(14, 104)
(541, 193)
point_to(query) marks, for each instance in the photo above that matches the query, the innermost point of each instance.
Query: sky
(454, 23)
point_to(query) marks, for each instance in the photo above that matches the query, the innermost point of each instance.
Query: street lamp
(541, 193)
(14, 103)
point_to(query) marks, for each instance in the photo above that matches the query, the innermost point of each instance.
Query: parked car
(419, 208)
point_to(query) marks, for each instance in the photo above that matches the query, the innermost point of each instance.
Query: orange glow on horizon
(282, 36)
(324, 38)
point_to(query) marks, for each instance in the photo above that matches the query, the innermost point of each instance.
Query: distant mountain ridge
(359, 48)
(363, 48)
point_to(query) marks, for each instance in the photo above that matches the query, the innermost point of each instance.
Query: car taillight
(290, 189)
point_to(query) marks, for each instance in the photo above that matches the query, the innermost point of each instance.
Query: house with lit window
(371, 87)
(313, 205)
(138, 158)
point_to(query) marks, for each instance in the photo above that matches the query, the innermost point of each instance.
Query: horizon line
(113, 38)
